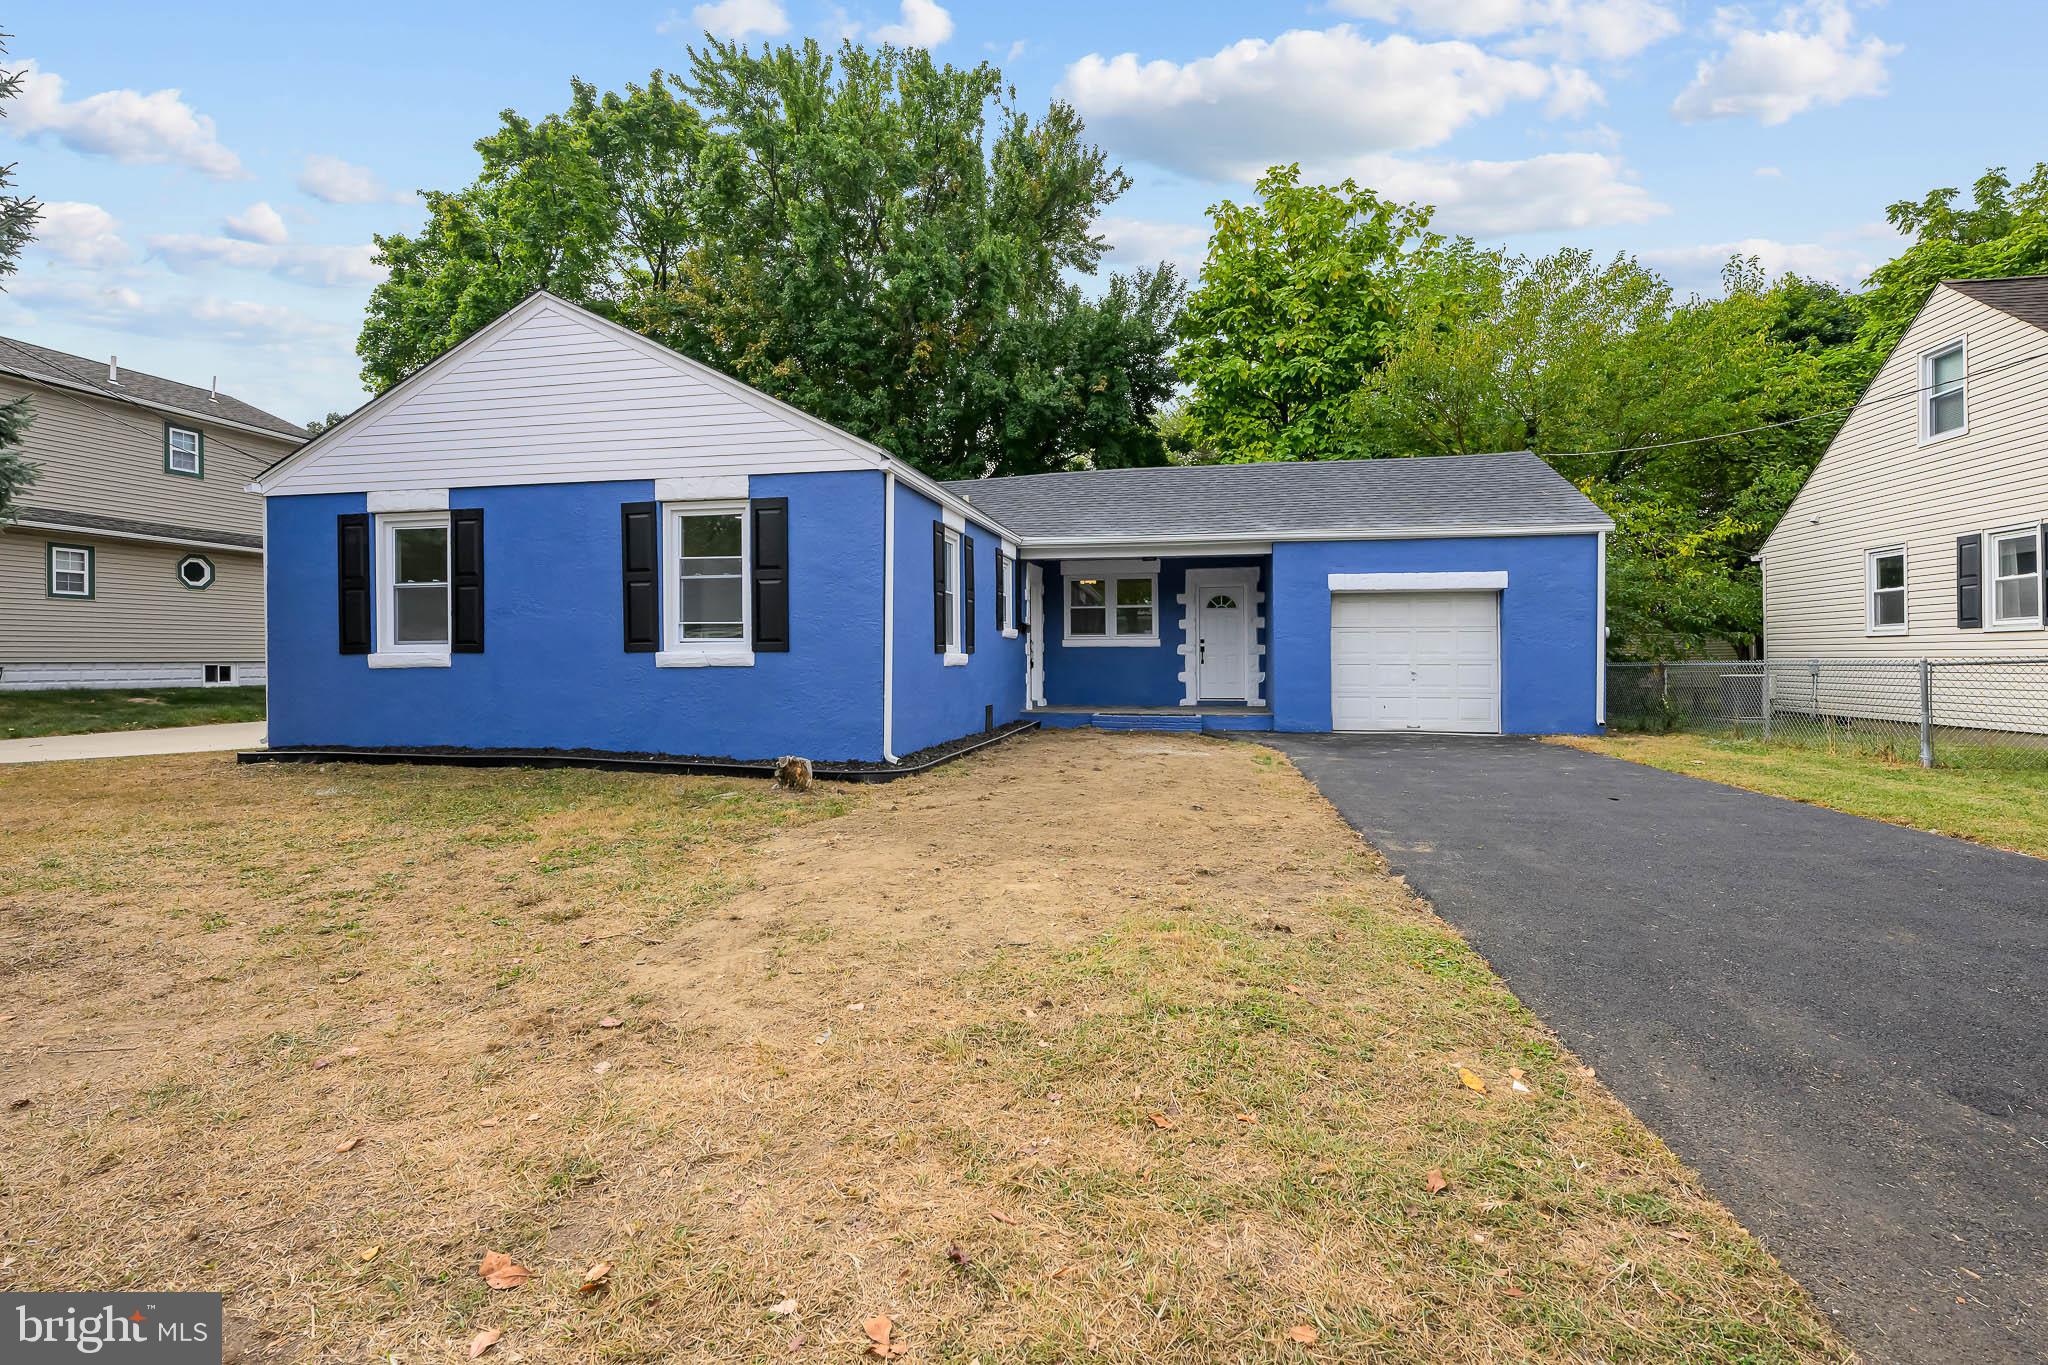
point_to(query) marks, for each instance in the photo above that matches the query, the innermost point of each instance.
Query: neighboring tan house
(1919, 535)
(136, 558)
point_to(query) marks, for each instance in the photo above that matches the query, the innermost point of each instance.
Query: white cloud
(1770, 173)
(1308, 95)
(1145, 242)
(81, 234)
(1543, 193)
(924, 23)
(303, 264)
(157, 129)
(1607, 30)
(734, 19)
(258, 223)
(128, 310)
(1572, 92)
(334, 181)
(1843, 262)
(1812, 58)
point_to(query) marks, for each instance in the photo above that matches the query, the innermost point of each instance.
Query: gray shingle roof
(2022, 296)
(1425, 494)
(31, 361)
(164, 530)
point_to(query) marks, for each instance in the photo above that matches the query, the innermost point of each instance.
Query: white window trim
(171, 450)
(1006, 590)
(51, 570)
(956, 650)
(1109, 640)
(389, 652)
(1870, 558)
(676, 652)
(1928, 435)
(1990, 579)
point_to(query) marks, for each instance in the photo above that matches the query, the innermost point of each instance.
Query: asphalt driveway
(1838, 1023)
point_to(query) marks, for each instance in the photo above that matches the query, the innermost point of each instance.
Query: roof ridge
(1239, 464)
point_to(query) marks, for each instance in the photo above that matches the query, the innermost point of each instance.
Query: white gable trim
(844, 451)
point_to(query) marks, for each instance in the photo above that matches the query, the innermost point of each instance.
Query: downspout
(889, 615)
(1600, 634)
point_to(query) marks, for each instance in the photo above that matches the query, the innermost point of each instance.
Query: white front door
(1415, 661)
(1222, 642)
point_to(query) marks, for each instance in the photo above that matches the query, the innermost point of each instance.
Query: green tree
(320, 424)
(1298, 304)
(2002, 231)
(18, 216)
(882, 240)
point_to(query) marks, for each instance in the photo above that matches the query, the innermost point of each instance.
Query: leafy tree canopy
(2002, 231)
(1298, 305)
(887, 242)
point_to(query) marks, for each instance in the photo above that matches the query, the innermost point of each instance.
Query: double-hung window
(949, 591)
(705, 606)
(1884, 586)
(1112, 609)
(412, 586)
(1005, 567)
(184, 451)
(1943, 404)
(2015, 574)
(70, 571)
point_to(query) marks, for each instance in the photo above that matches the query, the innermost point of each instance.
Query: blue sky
(215, 171)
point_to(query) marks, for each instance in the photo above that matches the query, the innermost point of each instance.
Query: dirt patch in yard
(1116, 1048)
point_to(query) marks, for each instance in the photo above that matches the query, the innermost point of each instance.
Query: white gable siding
(1878, 487)
(558, 396)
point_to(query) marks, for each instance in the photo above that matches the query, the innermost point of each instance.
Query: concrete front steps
(1186, 719)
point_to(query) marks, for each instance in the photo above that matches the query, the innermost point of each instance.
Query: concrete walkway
(182, 739)
(1839, 1023)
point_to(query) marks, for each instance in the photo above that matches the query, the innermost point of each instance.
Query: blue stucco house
(563, 536)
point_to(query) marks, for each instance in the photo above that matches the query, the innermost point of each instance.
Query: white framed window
(706, 610)
(1884, 591)
(184, 451)
(956, 651)
(412, 590)
(1006, 617)
(1944, 406)
(2013, 570)
(70, 571)
(1112, 609)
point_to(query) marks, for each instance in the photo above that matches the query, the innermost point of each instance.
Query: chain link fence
(1915, 710)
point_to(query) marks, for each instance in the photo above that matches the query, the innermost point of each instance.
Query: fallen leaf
(1063, 1270)
(878, 1329)
(608, 1022)
(1303, 1333)
(1470, 1080)
(1002, 1217)
(348, 1144)
(1586, 1071)
(602, 1067)
(956, 1255)
(1520, 1087)
(368, 1253)
(595, 1277)
(1678, 1234)
(1434, 1181)
(501, 1272)
(1247, 1117)
(1516, 1072)
(783, 1309)
(487, 1123)
(534, 1117)
(1512, 1292)
(1162, 1121)
(484, 1341)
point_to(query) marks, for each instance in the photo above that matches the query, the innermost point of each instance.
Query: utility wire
(1809, 417)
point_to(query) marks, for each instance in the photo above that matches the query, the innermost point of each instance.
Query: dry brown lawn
(1091, 1048)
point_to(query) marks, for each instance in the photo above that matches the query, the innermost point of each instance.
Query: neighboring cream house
(136, 558)
(1920, 533)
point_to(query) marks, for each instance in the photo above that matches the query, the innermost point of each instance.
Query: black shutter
(1969, 582)
(771, 575)
(352, 541)
(466, 579)
(939, 587)
(1018, 581)
(967, 590)
(640, 551)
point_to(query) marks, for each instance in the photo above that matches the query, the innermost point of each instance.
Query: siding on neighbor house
(560, 398)
(1879, 487)
(1549, 622)
(554, 672)
(99, 456)
(139, 612)
(933, 703)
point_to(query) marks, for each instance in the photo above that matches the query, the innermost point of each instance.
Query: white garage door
(1415, 661)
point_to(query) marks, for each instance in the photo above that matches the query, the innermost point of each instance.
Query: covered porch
(1149, 641)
